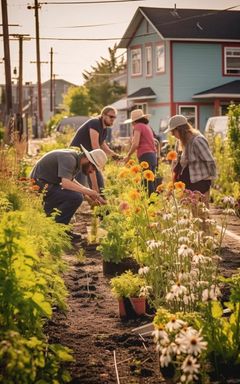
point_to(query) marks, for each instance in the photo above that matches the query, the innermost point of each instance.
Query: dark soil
(93, 329)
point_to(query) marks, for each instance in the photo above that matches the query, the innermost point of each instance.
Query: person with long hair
(196, 166)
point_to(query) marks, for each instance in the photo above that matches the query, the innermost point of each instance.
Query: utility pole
(20, 71)
(51, 79)
(40, 110)
(7, 62)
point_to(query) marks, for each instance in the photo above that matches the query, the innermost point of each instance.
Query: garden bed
(92, 327)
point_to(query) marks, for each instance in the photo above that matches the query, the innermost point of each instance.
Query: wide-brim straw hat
(176, 121)
(97, 157)
(136, 114)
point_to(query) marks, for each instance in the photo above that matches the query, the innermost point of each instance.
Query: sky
(91, 20)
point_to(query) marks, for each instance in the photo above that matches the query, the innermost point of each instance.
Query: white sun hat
(175, 121)
(97, 157)
(136, 114)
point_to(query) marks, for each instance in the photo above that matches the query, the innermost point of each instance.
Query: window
(148, 52)
(160, 58)
(231, 61)
(142, 106)
(136, 61)
(190, 112)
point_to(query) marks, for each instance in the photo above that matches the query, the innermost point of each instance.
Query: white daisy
(174, 324)
(185, 251)
(190, 365)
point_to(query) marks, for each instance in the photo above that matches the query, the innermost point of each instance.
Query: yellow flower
(148, 175)
(172, 155)
(144, 165)
(179, 185)
(135, 169)
(134, 194)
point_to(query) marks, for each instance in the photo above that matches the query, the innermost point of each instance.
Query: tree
(77, 101)
(103, 89)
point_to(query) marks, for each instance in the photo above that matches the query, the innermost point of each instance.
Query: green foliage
(31, 360)
(222, 331)
(116, 245)
(234, 137)
(77, 101)
(54, 120)
(127, 285)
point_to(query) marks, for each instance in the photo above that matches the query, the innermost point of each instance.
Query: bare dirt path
(93, 329)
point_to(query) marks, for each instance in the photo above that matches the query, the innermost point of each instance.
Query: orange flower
(130, 163)
(35, 188)
(135, 169)
(170, 186)
(179, 185)
(148, 175)
(137, 210)
(144, 165)
(160, 188)
(137, 179)
(123, 173)
(134, 194)
(172, 155)
(123, 206)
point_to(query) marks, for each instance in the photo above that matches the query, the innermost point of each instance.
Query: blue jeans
(151, 159)
(66, 201)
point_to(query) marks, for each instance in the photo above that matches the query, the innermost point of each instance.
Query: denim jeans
(151, 159)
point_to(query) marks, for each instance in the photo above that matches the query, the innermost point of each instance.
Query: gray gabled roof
(231, 89)
(187, 24)
(143, 93)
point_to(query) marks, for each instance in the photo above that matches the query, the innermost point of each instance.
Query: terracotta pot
(115, 269)
(132, 307)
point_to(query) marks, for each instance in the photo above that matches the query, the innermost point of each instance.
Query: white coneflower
(167, 216)
(190, 365)
(228, 200)
(193, 342)
(183, 240)
(165, 358)
(159, 335)
(183, 222)
(174, 324)
(229, 211)
(170, 296)
(145, 291)
(153, 244)
(211, 294)
(178, 289)
(197, 220)
(201, 259)
(143, 270)
(188, 299)
(185, 251)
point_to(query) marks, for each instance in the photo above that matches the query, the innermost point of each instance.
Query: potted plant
(131, 291)
(115, 246)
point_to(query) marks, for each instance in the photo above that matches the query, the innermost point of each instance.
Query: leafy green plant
(127, 285)
(116, 245)
(31, 360)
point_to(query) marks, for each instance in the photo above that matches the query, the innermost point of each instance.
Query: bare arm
(134, 145)
(94, 137)
(73, 185)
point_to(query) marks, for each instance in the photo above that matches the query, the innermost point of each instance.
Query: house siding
(159, 108)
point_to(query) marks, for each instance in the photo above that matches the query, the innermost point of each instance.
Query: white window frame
(160, 58)
(136, 61)
(182, 111)
(142, 106)
(148, 56)
(231, 53)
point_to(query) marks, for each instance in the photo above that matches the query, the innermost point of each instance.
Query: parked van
(217, 125)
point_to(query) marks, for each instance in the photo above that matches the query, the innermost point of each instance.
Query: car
(217, 125)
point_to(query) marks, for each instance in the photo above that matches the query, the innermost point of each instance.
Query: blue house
(184, 61)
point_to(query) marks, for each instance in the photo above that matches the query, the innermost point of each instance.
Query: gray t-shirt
(57, 164)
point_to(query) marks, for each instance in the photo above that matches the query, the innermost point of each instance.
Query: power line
(89, 25)
(88, 2)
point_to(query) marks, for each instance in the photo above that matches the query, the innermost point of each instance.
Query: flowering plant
(181, 348)
(129, 285)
